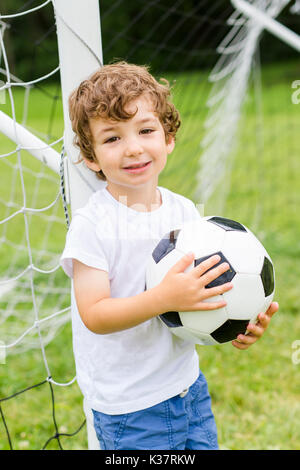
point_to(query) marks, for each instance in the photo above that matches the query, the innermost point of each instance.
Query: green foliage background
(127, 26)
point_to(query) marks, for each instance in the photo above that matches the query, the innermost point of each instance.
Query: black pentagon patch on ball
(230, 330)
(267, 277)
(227, 224)
(171, 319)
(165, 246)
(225, 277)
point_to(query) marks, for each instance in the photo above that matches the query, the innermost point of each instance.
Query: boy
(142, 382)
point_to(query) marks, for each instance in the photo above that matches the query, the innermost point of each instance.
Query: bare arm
(103, 314)
(178, 291)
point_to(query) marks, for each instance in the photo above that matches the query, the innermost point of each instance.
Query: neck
(139, 199)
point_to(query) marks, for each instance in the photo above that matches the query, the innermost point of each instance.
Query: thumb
(183, 263)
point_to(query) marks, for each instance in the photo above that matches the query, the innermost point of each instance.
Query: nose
(133, 147)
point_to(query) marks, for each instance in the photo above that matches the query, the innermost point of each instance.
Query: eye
(147, 131)
(111, 140)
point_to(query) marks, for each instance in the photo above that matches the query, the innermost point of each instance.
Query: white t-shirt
(139, 367)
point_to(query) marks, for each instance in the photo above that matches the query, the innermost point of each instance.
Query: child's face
(121, 146)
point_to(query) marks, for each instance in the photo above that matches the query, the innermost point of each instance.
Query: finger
(206, 264)
(247, 339)
(214, 273)
(244, 341)
(271, 310)
(239, 345)
(210, 305)
(183, 263)
(264, 318)
(218, 290)
(256, 330)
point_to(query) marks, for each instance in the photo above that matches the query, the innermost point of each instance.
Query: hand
(256, 331)
(186, 291)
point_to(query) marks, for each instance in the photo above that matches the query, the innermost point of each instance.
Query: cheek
(163, 160)
(105, 159)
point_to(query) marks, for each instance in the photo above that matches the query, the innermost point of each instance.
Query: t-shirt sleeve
(84, 244)
(195, 211)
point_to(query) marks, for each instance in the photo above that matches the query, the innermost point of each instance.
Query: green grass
(255, 393)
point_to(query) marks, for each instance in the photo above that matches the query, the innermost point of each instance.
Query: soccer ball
(251, 272)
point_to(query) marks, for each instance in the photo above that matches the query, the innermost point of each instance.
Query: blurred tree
(165, 33)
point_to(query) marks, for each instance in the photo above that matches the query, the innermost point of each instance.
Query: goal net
(236, 155)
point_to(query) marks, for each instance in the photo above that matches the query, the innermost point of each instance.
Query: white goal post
(80, 54)
(28, 141)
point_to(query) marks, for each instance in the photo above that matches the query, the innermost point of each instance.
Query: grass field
(255, 393)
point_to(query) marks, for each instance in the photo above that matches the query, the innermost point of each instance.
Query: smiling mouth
(137, 166)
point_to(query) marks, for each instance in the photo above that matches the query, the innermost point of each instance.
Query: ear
(92, 165)
(170, 144)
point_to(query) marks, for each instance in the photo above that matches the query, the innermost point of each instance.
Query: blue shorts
(182, 422)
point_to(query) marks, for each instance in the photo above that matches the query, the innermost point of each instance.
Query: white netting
(34, 294)
(230, 78)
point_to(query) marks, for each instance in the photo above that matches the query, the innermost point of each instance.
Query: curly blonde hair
(107, 92)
